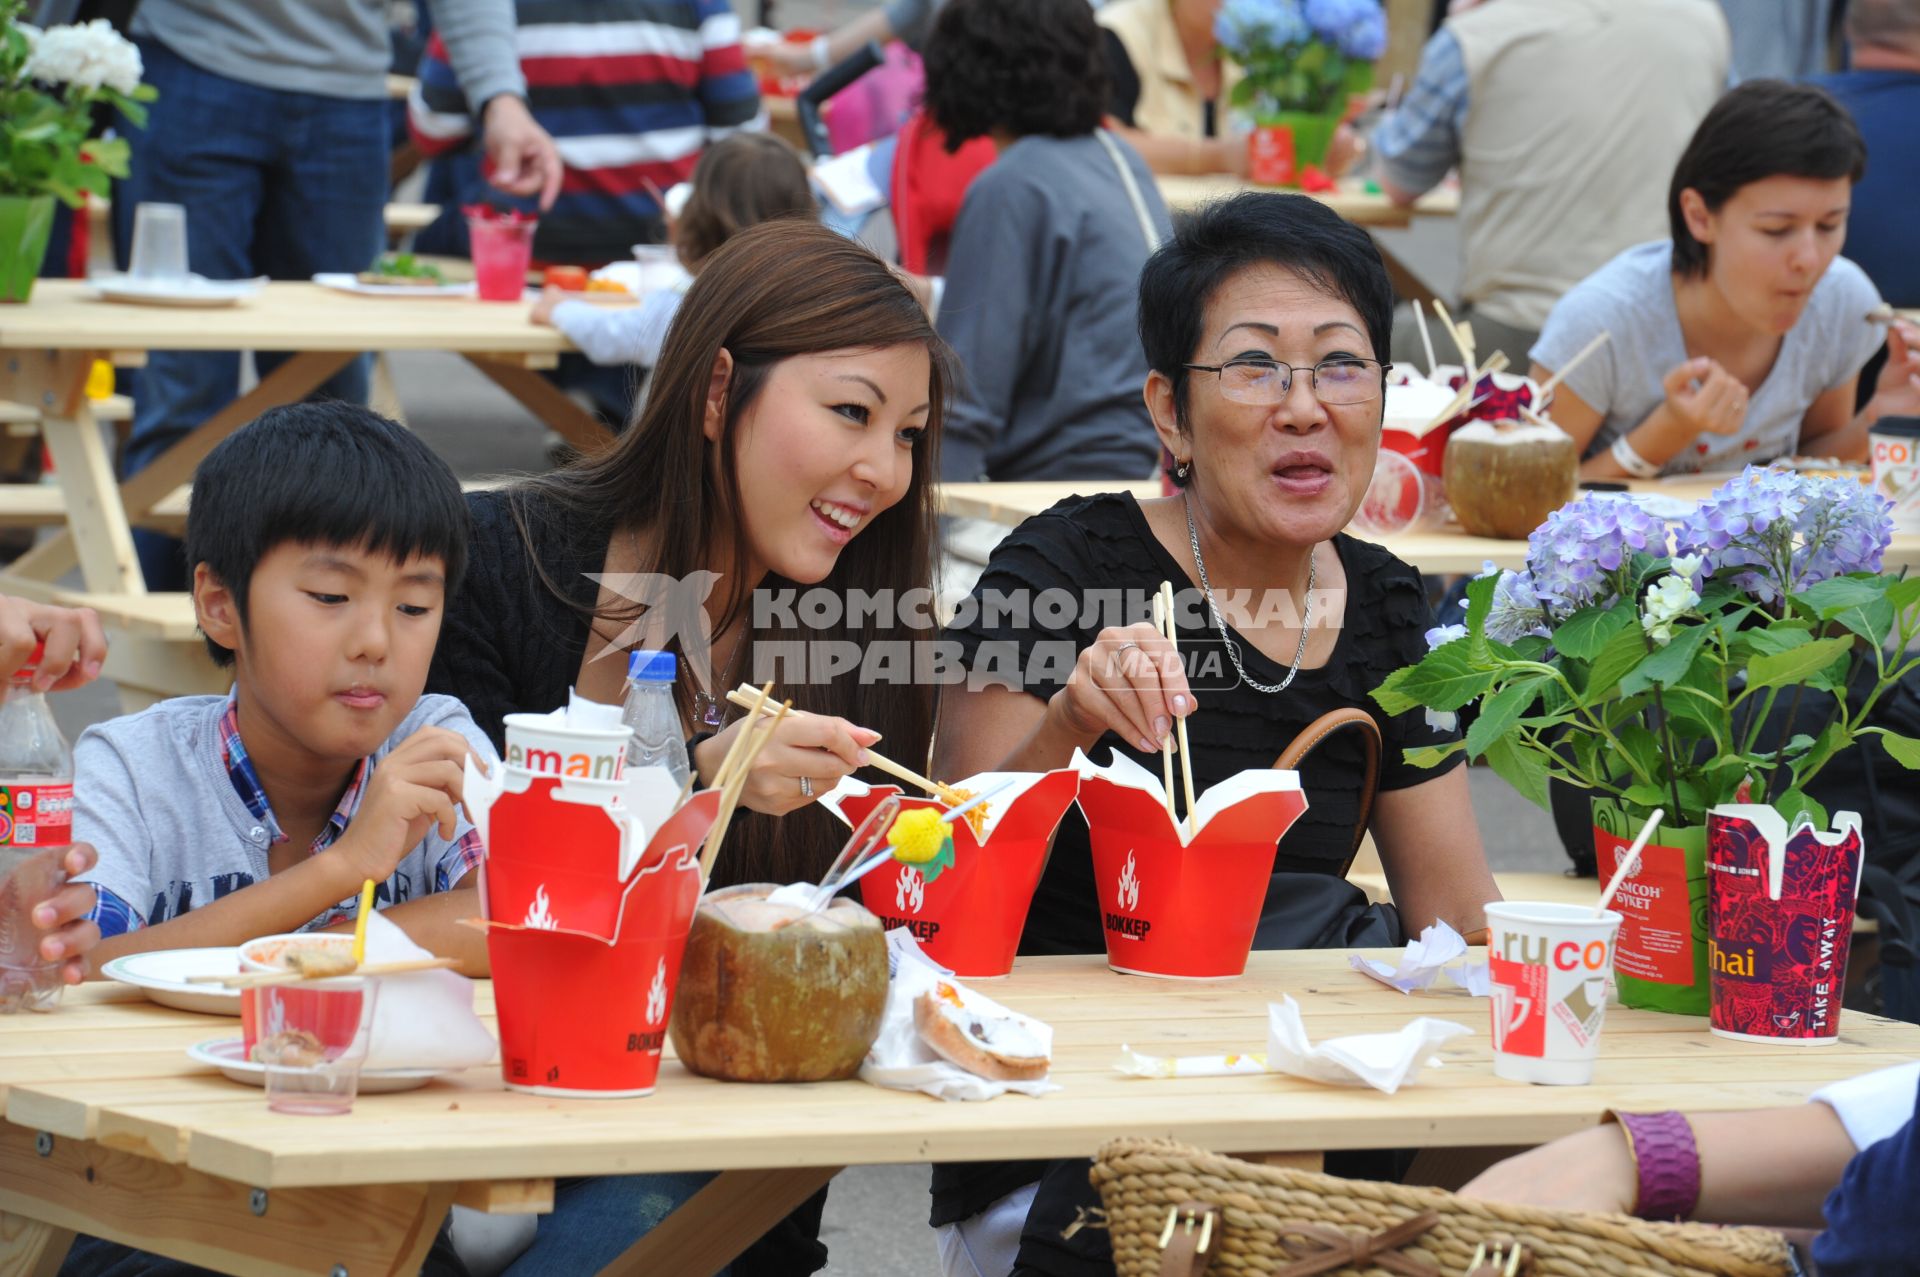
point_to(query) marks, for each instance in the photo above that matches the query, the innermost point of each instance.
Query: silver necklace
(1220, 624)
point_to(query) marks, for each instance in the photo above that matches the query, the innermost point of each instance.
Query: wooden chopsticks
(744, 697)
(262, 979)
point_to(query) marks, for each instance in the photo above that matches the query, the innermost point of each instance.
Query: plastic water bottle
(657, 752)
(36, 827)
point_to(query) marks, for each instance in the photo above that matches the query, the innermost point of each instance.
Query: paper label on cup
(1519, 997)
(1656, 935)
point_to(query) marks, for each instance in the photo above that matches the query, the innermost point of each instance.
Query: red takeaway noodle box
(969, 918)
(585, 961)
(1179, 907)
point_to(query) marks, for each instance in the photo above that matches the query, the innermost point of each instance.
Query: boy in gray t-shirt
(324, 540)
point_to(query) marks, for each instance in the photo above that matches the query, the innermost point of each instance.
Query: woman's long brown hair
(774, 291)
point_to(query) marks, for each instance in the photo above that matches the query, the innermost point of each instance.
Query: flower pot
(1282, 145)
(1660, 960)
(25, 223)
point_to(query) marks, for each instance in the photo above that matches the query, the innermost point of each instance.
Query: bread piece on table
(991, 1046)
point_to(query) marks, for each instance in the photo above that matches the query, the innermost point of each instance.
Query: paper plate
(163, 977)
(345, 283)
(194, 290)
(230, 1057)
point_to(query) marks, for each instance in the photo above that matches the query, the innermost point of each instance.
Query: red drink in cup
(502, 246)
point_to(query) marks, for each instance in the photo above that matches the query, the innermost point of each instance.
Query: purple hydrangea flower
(1441, 635)
(1517, 610)
(1366, 39)
(1574, 558)
(1245, 27)
(1773, 532)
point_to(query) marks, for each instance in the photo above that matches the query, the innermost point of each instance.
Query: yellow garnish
(917, 835)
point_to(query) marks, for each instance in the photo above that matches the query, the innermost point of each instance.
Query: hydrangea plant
(1295, 53)
(49, 83)
(1643, 661)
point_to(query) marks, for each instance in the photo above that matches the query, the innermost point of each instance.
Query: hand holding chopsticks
(745, 698)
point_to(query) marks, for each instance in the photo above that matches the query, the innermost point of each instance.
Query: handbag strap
(1310, 739)
(1139, 201)
(1186, 1243)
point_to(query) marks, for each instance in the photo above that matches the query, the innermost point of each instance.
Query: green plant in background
(50, 82)
(1299, 55)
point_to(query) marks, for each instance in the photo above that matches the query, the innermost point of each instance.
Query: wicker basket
(1272, 1218)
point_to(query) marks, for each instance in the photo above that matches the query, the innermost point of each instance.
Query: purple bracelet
(1667, 1162)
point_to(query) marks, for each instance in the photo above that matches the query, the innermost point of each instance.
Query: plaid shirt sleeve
(114, 916)
(1420, 140)
(458, 860)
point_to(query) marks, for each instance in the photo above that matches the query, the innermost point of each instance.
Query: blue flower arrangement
(1296, 53)
(1641, 660)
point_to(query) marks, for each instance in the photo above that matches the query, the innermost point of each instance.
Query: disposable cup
(1552, 968)
(313, 1038)
(159, 243)
(502, 253)
(1895, 444)
(536, 744)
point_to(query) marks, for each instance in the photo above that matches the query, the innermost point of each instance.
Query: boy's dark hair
(1028, 66)
(329, 473)
(740, 181)
(1255, 228)
(1761, 129)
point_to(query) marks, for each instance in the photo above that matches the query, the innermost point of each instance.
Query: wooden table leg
(76, 1186)
(719, 1222)
(549, 403)
(29, 1248)
(53, 558)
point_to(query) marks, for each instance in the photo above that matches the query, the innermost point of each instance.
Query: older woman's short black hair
(1027, 66)
(1255, 228)
(1762, 129)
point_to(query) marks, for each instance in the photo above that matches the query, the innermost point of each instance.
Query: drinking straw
(1420, 317)
(1166, 742)
(945, 793)
(866, 835)
(1628, 861)
(762, 732)
(880, 857)
(263, 979)
(955, 813)
(1600, 339)
(1180, 724)
(360, 923)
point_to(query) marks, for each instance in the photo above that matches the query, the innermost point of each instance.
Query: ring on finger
(806, 788)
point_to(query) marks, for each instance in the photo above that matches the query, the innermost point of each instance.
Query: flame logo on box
(657, 994)
(1129, 885)
(910, 890)
(538, 915)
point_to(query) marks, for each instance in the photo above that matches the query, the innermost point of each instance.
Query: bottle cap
(652, 667)
(30, 666)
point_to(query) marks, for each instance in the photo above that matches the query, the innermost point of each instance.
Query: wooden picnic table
(1439, 553)
(48, 346)
(111, 1130)
(1351, 199)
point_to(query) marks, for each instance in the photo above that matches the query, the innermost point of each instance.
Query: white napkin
(1384, 1061)
(1425, 961)
(898, 1058)
(422, 1019)
(1236, 788)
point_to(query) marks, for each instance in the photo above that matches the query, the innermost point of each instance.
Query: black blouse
(1103, 544)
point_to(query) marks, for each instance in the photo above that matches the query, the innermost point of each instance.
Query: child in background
(740, 181)
(324, 541)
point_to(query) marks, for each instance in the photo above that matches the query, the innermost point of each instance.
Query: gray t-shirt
(153, 794)
(334, 48)
(1631, 298)
(1043, 277)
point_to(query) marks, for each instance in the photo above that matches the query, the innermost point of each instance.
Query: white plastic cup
(159, 243)
(536, 744)
(1552, 969)
(1895, 444)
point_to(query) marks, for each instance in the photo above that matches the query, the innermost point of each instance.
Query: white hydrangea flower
(91, 56)
(1671, 598)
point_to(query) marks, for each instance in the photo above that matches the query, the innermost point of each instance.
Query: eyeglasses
(1346, 380)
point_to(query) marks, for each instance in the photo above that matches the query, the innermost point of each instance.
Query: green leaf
(1499, 712)
(1794, 803)
(1904, 749)
(1479, 603)
(1432, 755)
(1798, 664)
(1523, 767)
(1782, 636)
(1829, 599)
(1666, 665)
(1904, 593)
(1587, 631)
(1622, 652)
(1643, 794)
(1530, 647)
(1446, 679)
(1831, 741)
(1643, 749)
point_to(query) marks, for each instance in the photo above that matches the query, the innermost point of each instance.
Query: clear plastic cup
(313, 1039)
(159, 243)
(28, 876)
(502, 254)
(1396, 499)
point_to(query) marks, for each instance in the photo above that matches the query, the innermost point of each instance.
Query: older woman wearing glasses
(1265, 322)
